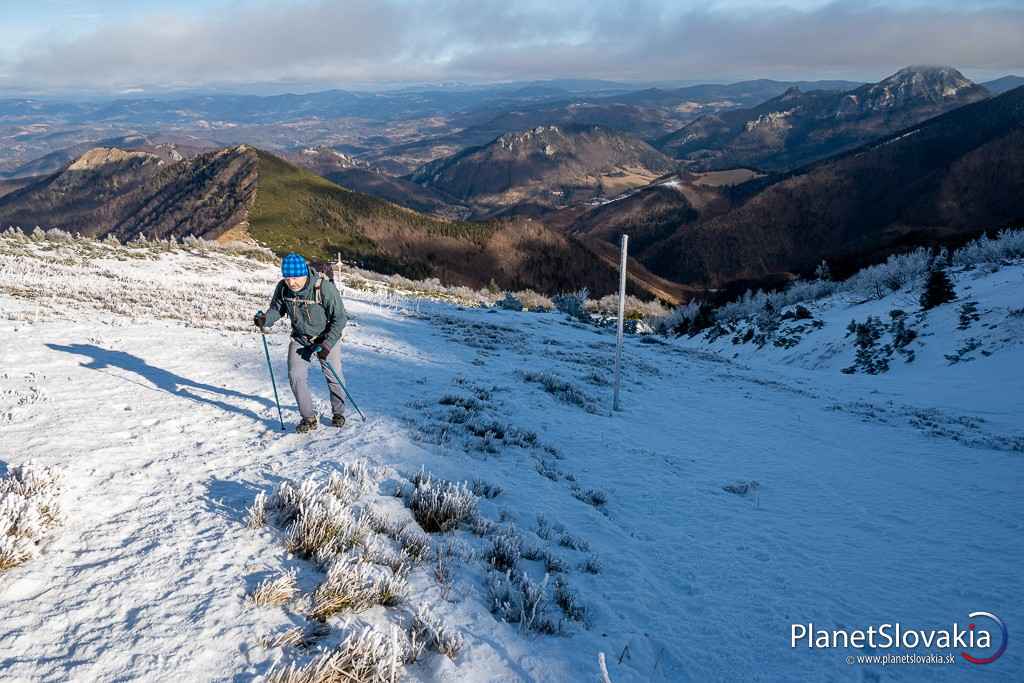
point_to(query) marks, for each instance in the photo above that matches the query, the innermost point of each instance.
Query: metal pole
(622, 313)
(344, 388)
(270, 367)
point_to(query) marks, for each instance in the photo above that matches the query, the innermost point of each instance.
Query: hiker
(317, 313)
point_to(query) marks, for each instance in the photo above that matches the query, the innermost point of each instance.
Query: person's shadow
(163, 379)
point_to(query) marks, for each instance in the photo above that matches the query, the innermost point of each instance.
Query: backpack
(321, 269)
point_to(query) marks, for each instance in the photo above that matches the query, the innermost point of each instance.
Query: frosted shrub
(441, 506)
(680, 317)
(1008, 244)
(591, 565)
(802, 291)
(293, 637)
(534, 301)
(569, 601)
(898, 271)
(516, 599)
(325, 527)
(634, 309)
(319, 519)
(554, 564)
(510, 302)
(430, 629)
(256, 515)
(276, 591)
(56, 235)
(380, 522)
(356, 585)
(15, 234)
(415, 544)
(596, 497)
(567, 540)
(484, 489)
(505, 551)
(353, 482)
(29, 507)
(400, 562)
(366, 656)
(746, 306)
(574, 304)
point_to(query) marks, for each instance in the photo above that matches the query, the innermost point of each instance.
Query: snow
(152, 398)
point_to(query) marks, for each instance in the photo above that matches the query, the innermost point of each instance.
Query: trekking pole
(266, 349)
(343, 387)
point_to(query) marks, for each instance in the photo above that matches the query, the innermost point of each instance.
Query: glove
(322, 351)
(260, 320)
(306, 353)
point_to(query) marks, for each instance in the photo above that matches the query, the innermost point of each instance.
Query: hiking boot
(308, 424)
(338, 420)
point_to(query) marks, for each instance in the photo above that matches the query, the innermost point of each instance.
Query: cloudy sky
(121, 45)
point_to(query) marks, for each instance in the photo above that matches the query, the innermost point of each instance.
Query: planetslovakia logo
(890, 636)
(1002, 647)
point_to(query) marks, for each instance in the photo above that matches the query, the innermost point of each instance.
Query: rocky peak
(102, 156)
(924, 84)
(541, 136)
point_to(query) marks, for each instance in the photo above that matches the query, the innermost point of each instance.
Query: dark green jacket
(312, 323)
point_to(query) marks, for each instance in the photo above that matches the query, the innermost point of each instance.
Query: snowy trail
(856, 522)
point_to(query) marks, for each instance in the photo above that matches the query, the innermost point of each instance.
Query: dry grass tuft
(256, 516)
(29, 508)
(276, 591)
(431, 630)
(367, 656)
(354, 585)
(441, 506)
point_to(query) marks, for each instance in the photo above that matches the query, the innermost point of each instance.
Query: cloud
(409, 40)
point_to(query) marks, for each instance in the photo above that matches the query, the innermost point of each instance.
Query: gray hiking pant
(298, 377)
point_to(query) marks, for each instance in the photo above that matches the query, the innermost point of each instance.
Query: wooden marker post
(622, 313)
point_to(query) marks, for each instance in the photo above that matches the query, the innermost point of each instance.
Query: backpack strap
(317, 287)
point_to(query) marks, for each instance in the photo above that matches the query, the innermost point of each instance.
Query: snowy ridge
(639, 535)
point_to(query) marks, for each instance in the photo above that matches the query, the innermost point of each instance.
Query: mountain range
(245, 193)
(798, 127)
(756, 194)
(945, 179)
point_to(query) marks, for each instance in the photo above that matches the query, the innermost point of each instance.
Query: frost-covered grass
(562, 389)
(366, 557)
(30, 507)
(365, 656)
(354, 585)
(431, 629)
(505, 551)
(518, 599)
(200, 283)
(275, 591)
(635, 308)
(441, 506)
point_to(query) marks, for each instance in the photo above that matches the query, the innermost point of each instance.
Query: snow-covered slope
(949, 369)
(879, 499)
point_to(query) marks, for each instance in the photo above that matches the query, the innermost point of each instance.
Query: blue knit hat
(294, 265)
